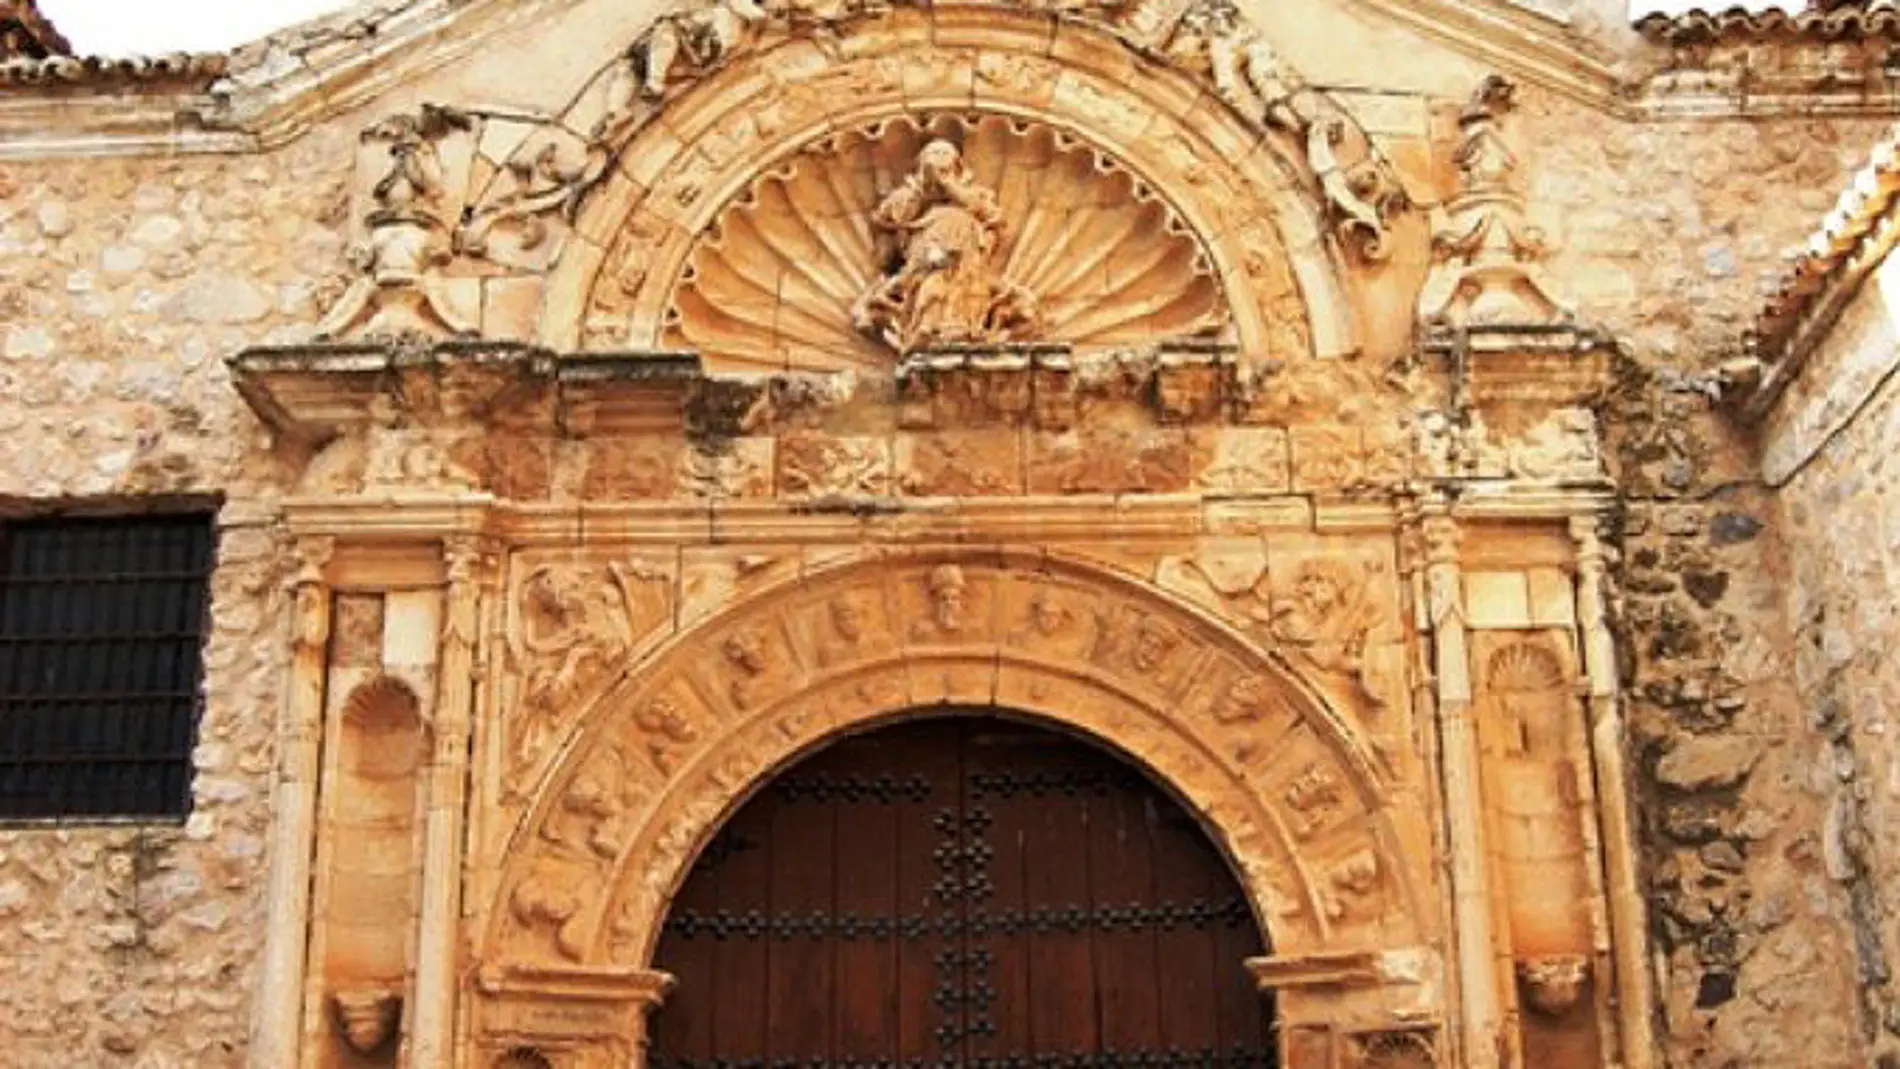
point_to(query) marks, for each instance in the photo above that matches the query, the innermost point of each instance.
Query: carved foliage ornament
(905, 235)
(514, 214)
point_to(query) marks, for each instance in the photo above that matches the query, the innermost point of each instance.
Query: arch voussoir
(659, 762)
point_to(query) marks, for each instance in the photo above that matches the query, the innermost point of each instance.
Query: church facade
(762, 533)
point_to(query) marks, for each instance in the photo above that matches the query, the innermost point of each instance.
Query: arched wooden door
(961, 892)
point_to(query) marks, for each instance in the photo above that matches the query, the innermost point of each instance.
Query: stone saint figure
(943, 285)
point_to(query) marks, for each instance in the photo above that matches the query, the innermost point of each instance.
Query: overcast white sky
(120, 27)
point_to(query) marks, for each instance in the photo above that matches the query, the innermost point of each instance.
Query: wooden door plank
(999, 834)
(742, 955)
(867, 936)
(1186, 953)
(1063, 1013)
(800, 993)
(1123, 906)
(928, 751)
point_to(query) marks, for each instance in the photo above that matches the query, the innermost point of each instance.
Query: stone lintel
(1557, 364)
(556, 1007)
(313, 393)
(1040, 385)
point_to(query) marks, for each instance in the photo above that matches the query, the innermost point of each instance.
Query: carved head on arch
(1132, 709)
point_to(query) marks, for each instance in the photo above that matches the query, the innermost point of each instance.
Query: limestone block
(1709, 762)
(1497, 599)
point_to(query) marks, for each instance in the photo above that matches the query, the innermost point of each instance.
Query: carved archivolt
(662, 195)
(911, 233)
(666, 754)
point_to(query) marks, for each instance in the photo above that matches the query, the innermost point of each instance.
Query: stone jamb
(276, 1014)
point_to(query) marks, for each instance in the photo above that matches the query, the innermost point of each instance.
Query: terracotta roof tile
(100, 70)
(1824, 21)
(1829, 256)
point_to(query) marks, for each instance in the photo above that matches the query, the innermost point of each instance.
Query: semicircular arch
(1241, 189)
(1282, 782)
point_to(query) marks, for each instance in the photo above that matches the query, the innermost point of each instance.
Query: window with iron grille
(102, 622)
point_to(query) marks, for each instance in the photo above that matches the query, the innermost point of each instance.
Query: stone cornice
(279, 87)
(1037, 519)
(1533, 47)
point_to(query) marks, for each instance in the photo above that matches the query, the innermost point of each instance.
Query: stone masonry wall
(1833, 447)
(123, 285)
(1753, 931)
(125, 282)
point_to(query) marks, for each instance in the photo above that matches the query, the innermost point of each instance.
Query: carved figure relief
(582, 835)
(852, 626)
(1554, 982)
(748, 665)
(819, 466)
(947, 605)
(942, 285)
(695, 38)
(572, 622)
(1316, 797)
(397, 291)
(1351, 880)
(667, 730)
(552, 896)
(1363, 192)
(898, 236)
(1245, 701)
(1325, 617)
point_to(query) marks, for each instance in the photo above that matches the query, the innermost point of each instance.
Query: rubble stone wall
(1832, 448)
(1753, 930)
(124, 283)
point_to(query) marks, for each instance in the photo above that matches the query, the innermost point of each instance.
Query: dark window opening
(102, 624)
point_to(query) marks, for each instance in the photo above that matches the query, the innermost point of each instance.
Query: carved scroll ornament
(515, 215)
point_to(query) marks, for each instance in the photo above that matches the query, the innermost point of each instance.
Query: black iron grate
(101, 631)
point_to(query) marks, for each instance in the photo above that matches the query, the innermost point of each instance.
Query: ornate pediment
(907, 235)
(1082, 246)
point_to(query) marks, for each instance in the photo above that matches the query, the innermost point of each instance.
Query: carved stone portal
(905, 235)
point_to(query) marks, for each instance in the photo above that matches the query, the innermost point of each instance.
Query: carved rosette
(915, 233)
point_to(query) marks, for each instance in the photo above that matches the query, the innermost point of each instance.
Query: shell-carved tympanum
(904, 235)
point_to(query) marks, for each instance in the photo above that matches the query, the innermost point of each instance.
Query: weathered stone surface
(1700, 764)
(673, 603)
